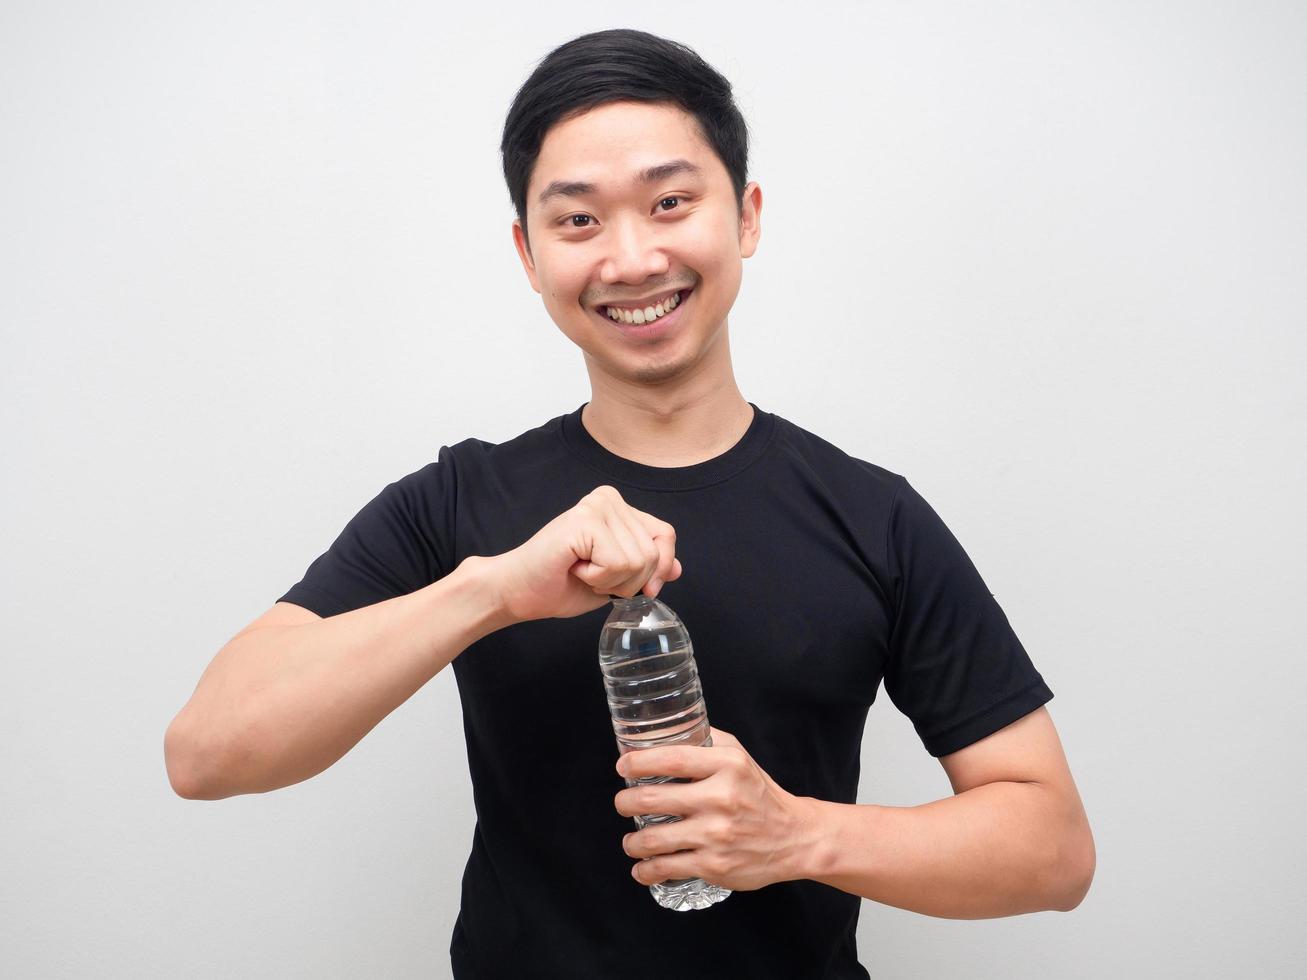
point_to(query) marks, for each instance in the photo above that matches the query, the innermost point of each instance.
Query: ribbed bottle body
(653, 687)
(655, 699)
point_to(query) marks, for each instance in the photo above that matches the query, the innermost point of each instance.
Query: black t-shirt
(809, 576)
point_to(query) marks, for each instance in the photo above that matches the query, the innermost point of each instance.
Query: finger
(641, 802)
(633, 548)
(667, 867)
(599, 556)
(722, 737)
(667, 838)
(625, 542)
(664, 538)
(667, 799)
(649, 556)
(688, 761)
(662, 566)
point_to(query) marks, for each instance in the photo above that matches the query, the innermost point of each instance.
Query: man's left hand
(738, 828)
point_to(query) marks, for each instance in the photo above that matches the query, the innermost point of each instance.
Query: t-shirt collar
(750, 447)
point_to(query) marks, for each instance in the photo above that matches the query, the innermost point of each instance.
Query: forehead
(609, 145)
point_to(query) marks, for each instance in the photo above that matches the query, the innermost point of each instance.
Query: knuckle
(716, 866)
(722, 831)
(722, 799)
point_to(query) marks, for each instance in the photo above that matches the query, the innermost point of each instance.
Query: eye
(666, 199)
(574, 217)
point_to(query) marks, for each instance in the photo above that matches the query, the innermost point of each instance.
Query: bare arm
(996, 850)
(1014, 838)
(291, 693)
(281, 703)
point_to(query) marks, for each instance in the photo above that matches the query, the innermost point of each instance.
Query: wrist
(815, 838)
(821, 838)
(480, 577)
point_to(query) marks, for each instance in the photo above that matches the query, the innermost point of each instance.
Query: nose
(635, 255)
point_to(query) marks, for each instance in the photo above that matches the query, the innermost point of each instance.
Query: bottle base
(687, 894)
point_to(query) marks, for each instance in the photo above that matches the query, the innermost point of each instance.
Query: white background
(1044, 259)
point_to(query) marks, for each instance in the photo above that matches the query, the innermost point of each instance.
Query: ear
(750, 219)
(524, 253)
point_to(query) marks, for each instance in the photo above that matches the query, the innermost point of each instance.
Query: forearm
(280, 704)
(1000, 849)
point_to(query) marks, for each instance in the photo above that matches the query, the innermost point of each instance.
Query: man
(805, 577)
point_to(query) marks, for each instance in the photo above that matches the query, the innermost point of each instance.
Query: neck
(667, 428)
(676, 415)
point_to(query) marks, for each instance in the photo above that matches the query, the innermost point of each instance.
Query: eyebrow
(650, 175)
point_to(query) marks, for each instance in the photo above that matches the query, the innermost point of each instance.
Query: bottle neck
(634, 602)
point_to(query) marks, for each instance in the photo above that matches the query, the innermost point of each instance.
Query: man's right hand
(601, 546)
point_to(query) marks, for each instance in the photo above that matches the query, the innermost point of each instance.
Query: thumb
(585, 570)
(722, 737)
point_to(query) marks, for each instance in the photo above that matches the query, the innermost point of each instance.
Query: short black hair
(620, 65)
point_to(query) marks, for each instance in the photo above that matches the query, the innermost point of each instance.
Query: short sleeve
(956, 668)
(399, 542)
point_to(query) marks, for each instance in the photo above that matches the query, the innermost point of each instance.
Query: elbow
(184, 764)
(1077, 870)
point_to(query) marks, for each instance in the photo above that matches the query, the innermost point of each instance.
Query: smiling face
(627, 204)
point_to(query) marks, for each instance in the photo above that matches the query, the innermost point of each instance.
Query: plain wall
(1044, 259)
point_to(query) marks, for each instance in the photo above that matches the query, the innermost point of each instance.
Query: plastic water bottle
(655, 699)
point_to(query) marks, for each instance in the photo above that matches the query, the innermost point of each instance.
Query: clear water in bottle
(655, 699)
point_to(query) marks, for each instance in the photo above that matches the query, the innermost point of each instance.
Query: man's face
(631, 243)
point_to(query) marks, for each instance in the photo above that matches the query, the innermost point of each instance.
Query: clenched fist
(570, 566)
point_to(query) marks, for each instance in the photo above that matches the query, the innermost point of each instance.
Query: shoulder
(483, 465)
(475, 452)
(829, 462)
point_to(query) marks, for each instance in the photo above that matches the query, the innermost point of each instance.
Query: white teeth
(646, 315)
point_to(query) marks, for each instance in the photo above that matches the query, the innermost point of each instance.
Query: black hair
(616, 66)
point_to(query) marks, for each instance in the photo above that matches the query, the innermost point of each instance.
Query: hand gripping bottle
(655, 699)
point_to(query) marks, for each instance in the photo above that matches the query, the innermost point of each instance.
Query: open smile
(657, 326)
